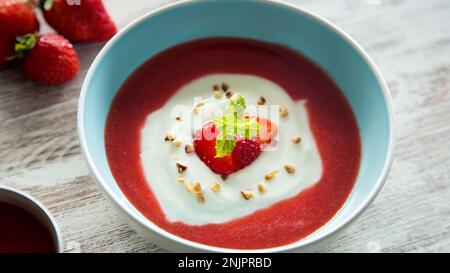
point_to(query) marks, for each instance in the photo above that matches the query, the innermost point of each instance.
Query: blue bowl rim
(302, 243)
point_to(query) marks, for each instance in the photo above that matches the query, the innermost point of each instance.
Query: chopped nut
(196, 110)
(200, 197)
(197, 187)
(225, 87)
(247, 194)
(215, 186)
(289, 168)
(261, 101)
(283, 111)
(218, 95)
(177, 142)
(229, 94)
(181, 168)
(200, 104)
(190, 188)
(189, 148)
(216, 87)
(261, 187)
(296, 139)
(169, 137)
(271, 175)
(180, 179)
(178, 117)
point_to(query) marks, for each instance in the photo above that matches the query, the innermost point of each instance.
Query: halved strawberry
(204, 144)
(244, 153)
(267, 130)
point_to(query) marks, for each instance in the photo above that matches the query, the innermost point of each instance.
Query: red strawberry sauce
(331, 119)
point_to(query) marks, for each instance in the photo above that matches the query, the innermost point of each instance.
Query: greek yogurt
(179, 117)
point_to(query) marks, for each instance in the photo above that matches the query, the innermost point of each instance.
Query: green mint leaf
(224, 145)
(247, 128)
(233, 123)
(236, 107)
(220, 122)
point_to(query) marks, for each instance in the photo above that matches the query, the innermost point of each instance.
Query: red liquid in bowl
(331, 119)
(21, 232)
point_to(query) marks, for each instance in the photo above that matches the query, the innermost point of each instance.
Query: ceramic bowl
(272, 21)
(26, 202)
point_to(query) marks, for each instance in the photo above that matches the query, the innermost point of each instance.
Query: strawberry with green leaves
(233, 141)
(47, 59)
(16, 18)
(79, 21)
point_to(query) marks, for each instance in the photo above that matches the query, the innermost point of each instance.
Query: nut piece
(178, 117)
(225, 87)
(229, 94)
(218, 95)
(180, 167)
(261, 188)
(283, 111)
(247, 194)
(177, 142)
(200, 197)
(197, 107)
(271, 175)
(289, 168)
(261, 101)
(296, 139)
(200, 104)
(190, 188)
(216, 87)
(180, 179)
(215, 187)
(169, 136)
(189, 148)
(197, 187)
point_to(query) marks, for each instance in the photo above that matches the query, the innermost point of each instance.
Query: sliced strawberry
(244, 153)
(205, 148)
(267, 130)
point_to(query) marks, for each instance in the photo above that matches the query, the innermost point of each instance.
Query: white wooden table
(408, 39)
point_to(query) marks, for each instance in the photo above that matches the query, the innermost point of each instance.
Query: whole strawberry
(16, 19)
(47, 59)
(79, 20)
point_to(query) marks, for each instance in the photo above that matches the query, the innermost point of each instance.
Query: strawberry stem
(24, 43)
(45, 4)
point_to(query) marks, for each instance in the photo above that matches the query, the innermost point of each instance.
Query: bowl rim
(148, 224)
(50, 219)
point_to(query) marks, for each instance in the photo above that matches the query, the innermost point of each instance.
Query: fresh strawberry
(244, 153)
(16, 19)
(267, 130)
(6, 48)
(47, 59)
(233, 141)
(204, 143)
(85, 21)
